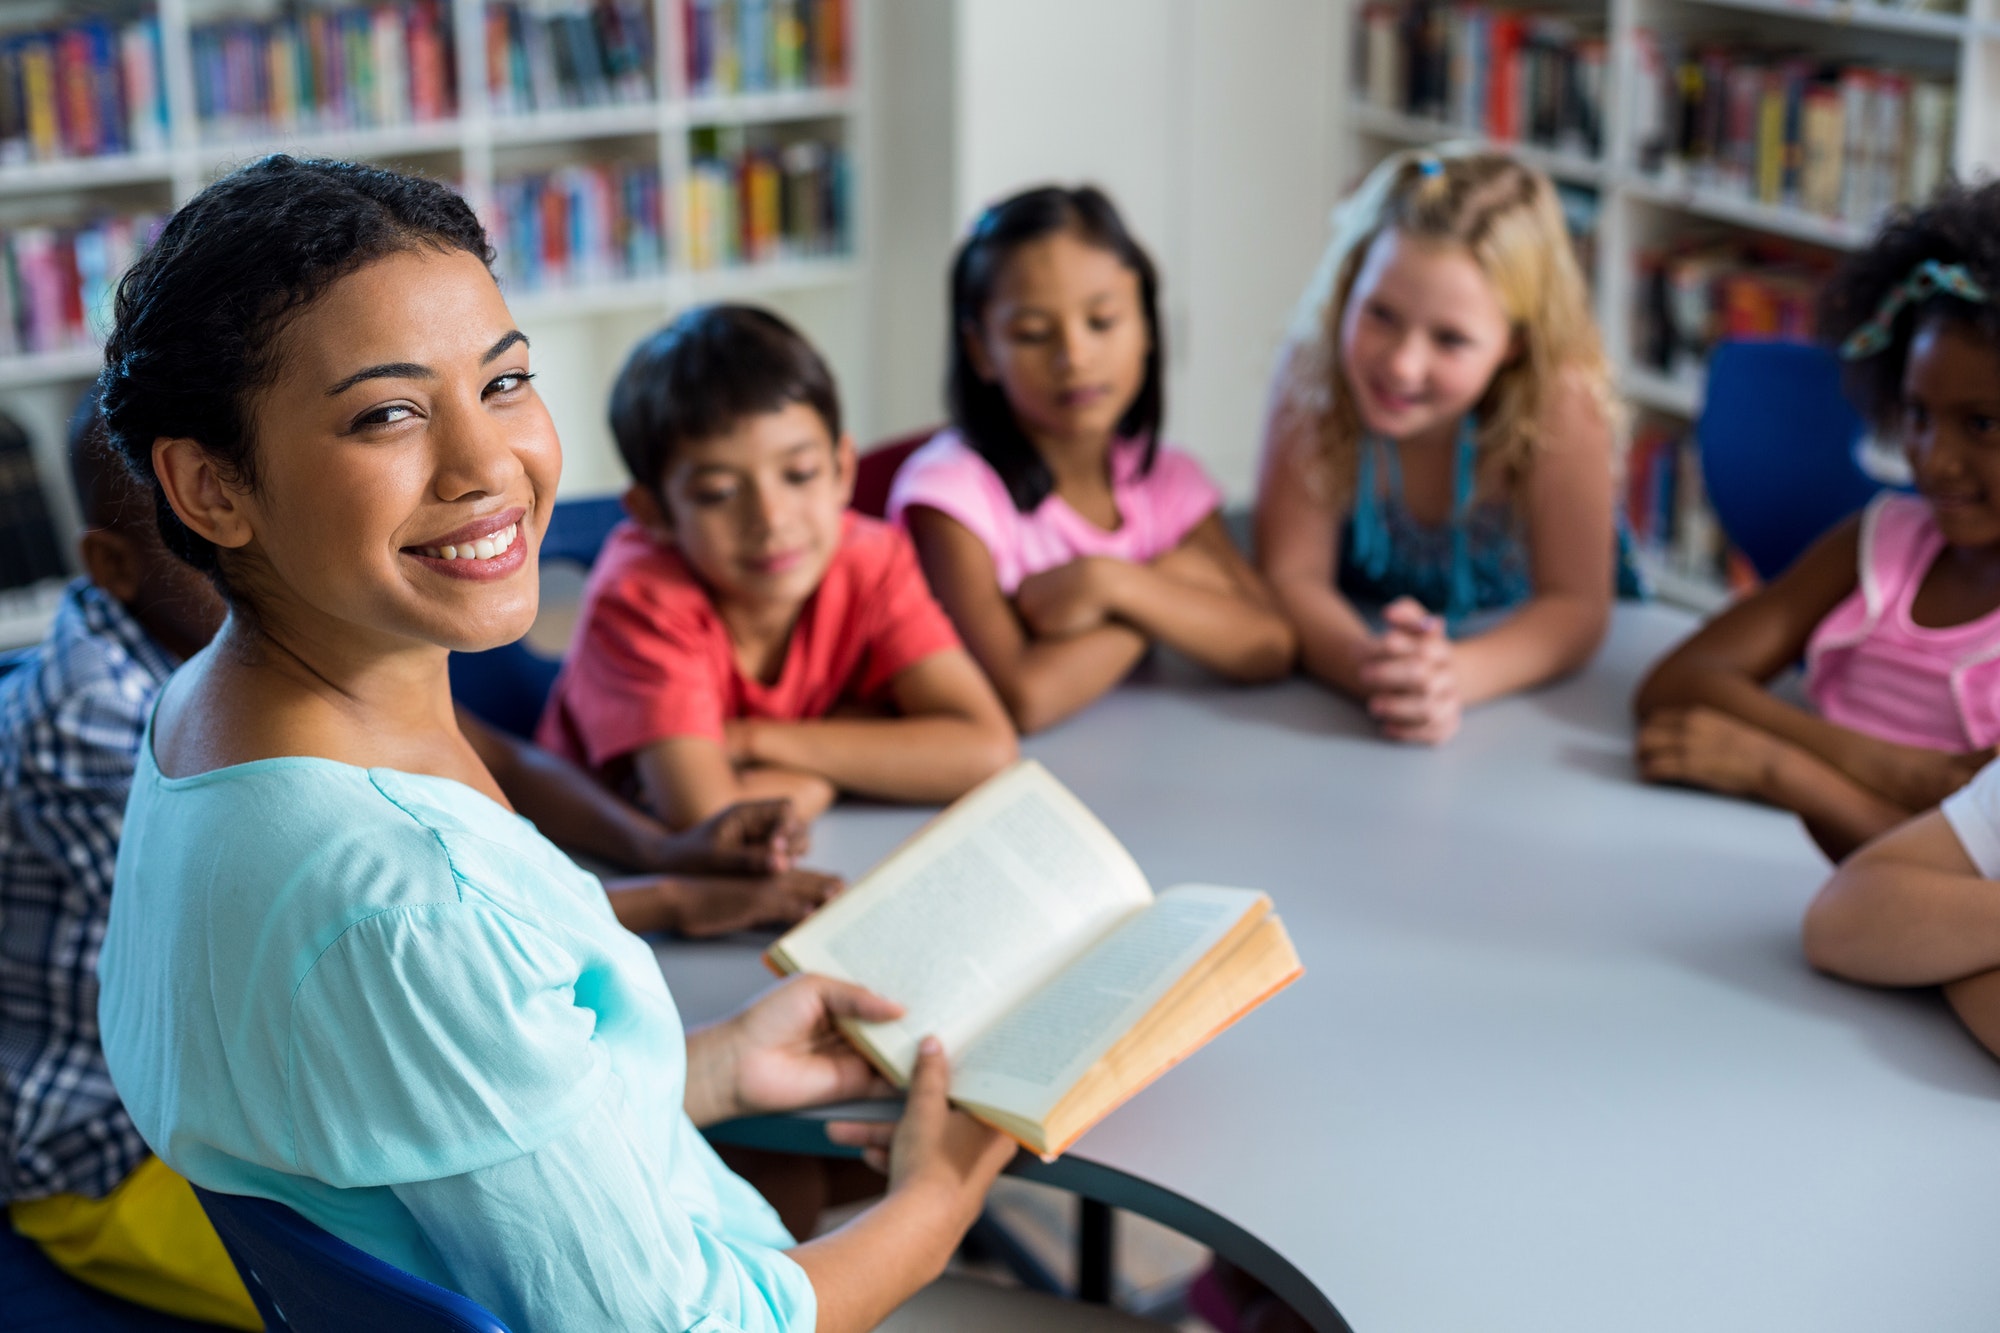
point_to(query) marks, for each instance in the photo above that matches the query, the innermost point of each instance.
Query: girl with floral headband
(1439, 447)
(1896, 612)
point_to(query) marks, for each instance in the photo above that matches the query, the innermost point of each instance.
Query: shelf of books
(1716, 157)
(628, 156)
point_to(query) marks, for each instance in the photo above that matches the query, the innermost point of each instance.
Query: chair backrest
(307, 1281)
(507, 686)
(577, 529)
(1779, 445)
(876, 472)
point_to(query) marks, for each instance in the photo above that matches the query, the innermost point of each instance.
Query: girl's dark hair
(1960, 225)
(979, 407)
(198, 318)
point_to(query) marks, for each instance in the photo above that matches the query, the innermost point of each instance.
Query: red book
(555, 234)
(76, 94)
(70, 282)
(1503, 77)
(429, 91)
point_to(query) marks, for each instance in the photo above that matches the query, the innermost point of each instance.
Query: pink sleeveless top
(1872, 668)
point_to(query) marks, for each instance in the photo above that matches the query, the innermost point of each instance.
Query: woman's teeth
(483, 549)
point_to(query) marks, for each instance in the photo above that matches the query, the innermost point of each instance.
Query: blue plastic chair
(307, 1281)
(38, 1297)
(506, 687)
(1779, 444)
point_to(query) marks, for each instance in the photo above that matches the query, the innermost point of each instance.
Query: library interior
(1561, 1028)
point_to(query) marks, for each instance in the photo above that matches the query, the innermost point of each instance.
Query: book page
(981, 907)
(1027, 1061)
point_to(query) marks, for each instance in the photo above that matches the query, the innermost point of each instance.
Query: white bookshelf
(1637, 209)
(580, 332)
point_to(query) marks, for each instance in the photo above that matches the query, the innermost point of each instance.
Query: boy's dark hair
(706, 371)
(979, 407)
(199, 316)
(107, 495)
(1960, 225)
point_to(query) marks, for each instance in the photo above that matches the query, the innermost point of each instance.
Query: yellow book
(1771, 142)
(38, 92)
(1825, 140)
(1017, 929)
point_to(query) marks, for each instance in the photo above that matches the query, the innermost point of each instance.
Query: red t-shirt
(652, 659)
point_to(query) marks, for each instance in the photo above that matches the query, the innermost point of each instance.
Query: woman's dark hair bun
(198, 318)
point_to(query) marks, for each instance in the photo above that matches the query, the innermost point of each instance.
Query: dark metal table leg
(1095, 1262)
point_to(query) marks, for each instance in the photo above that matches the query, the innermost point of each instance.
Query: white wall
(1210, 122)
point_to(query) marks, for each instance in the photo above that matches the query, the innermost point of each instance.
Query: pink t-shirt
(1156, 509)
(1872, 668)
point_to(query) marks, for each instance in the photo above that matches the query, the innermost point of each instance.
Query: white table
(1556, 1062)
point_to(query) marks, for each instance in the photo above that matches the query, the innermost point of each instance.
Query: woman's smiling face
(404, 464)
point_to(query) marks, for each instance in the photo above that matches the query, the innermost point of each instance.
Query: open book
(1016, 928)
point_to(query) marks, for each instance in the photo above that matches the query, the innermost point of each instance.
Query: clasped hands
(735, 870)
(1409, 676)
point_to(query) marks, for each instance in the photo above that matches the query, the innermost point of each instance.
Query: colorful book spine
(1510, 75)
(1697, 293)
(1843, 140)
(759, 204)
(1667, 509)
(89, 89)
(575, 53)
(57, 283)
(578, 226)
(755, 46)
(324, 70)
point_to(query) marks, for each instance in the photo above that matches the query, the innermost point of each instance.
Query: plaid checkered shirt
(71, 721)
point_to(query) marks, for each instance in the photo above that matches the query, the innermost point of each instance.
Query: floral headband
(1925, 279)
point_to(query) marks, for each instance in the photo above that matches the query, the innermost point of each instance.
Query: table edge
(804, 1133)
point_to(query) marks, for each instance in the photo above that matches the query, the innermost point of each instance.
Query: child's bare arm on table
(1572, 550)
(1701, 747)
(1298, 548)
(733, 870)
(1202, 599)
(1911, 909)
(686, 779)
(1728, 663)
(949, 732)
(1040, 681)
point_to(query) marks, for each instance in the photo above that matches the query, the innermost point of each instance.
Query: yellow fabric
(148, 1241)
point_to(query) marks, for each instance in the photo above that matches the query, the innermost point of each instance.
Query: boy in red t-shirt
(745, 634)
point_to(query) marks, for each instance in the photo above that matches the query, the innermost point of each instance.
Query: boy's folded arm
(1040, 682)
(950, 735)
(685, 779)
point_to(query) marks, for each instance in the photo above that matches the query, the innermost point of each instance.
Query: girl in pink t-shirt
(1896, 612)
(1059, 534)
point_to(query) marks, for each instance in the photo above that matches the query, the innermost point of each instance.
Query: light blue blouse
(385, 1001)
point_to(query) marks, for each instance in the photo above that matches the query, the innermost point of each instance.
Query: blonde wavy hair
(1507, 217)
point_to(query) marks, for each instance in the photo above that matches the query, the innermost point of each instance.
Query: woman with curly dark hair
(339, 971)
(1896, 612)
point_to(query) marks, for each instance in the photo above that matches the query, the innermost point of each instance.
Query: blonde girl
(1439, 446)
